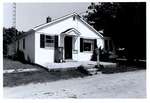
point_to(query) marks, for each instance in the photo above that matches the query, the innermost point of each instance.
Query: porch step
(92, 71)
(74, 64)
(69, 60)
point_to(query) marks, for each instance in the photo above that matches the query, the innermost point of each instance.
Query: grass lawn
(10, 64)
(42, 75)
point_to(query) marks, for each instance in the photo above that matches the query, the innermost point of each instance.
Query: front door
(68, 47)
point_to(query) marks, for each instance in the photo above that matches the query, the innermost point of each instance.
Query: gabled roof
(53, 21)
(63, 18)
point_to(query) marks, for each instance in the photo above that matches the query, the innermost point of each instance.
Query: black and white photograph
(74, 50)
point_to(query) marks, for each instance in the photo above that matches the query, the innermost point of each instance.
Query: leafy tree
(9, 35)
(124, 22)
(101, 15)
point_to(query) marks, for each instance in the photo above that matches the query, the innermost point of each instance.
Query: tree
(9, 35)
(101, 15)
(133, 29)
(124, 22)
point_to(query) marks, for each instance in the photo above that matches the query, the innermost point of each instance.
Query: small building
(65, 38)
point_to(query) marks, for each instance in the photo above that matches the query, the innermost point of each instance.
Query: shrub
(20, 56)
(28, 59)
(121, 69)
(94, 56)
(104, 55)
(83, 70)
(108, 70)
(100, 67)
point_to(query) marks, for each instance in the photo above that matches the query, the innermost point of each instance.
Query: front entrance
(68, 47)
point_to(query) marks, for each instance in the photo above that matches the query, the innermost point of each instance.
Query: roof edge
(53, 21)
(99, 34)
(64, 17)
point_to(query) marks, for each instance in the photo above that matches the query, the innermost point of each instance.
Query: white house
(68, 37)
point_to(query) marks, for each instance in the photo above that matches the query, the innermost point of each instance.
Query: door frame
(71, 55)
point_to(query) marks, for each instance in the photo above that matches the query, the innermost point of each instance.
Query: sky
(29, 15)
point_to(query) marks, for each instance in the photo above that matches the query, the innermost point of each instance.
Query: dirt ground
(116, 85)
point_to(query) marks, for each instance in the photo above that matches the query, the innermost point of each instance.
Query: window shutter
(81, 44)
(95, 44)
(42, 41)
(56, 41)
(24, 43)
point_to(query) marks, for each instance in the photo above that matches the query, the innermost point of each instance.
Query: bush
(108, 70)
(94, 56)
(100, 67)
(122, 68)
(28, 59)
(20, 56)
(104, 55)
(83, 70)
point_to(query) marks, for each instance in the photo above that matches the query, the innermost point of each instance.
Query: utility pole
(14, 15)
(14, 23)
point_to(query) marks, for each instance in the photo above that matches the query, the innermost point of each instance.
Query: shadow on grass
(16, 79)
(125, 67)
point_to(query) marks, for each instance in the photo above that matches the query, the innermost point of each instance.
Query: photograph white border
(105, 100)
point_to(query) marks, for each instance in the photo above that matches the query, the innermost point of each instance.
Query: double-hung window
(88, 45)
(49, 42)
(46, 41)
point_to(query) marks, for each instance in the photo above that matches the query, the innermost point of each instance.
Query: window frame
(91, 41)
(49, 44)
(49, 41)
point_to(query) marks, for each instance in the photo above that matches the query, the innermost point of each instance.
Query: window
(49, 41)
(24, 43)
(88, 45)
(46, 41)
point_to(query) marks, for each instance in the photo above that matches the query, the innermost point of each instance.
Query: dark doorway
(68, 47)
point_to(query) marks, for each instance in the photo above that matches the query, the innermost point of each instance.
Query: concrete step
(92, 71)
